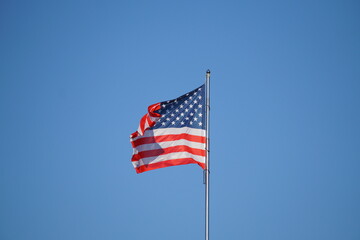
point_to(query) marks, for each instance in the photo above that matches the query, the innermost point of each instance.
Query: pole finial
(208, 74)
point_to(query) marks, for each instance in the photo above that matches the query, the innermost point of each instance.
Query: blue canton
(185, 111)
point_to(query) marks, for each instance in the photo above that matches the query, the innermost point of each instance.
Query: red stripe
(162, 151)
(168, 163)
(142, 123)
(153, 108)
(166, 138)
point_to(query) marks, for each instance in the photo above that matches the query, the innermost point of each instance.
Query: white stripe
(146, 125)
(139, 131)
(165, 157)
(161, 145)
(154, 119)
(167, 131)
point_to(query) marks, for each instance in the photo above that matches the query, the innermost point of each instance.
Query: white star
(200, 106)
(191, 122)
(186, 110)
(167, 119)
(195, 93)
(181, 106)
(182, 114)
(177, 110)
(163, 105)
(195, 101)
(163, 123)
(200, 114)
(196, 110)
(177, 118)
(186, 118)
(172, 115)
(190, 97)
(200, 123)
(173, 123)
(200, 97)
(182, 123)
(199, 89)
(195, 119)
(186, 101)
(191, 105)
(191, 114)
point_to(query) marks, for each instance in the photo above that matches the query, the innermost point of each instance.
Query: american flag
(171, 133)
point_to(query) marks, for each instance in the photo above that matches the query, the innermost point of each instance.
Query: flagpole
(207, 160)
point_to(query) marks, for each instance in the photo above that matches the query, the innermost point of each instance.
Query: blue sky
(76, 77)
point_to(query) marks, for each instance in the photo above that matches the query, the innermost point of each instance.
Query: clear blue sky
(76, 76)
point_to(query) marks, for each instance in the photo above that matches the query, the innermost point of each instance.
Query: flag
(171, 133)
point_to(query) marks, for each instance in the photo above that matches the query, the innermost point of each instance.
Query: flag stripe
(167, 138)
(168, 163)
(174, 149)
(169, 143)
(166, 157)
(167, 131)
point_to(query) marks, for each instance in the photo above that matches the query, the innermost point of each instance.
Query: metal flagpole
(207, 160)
